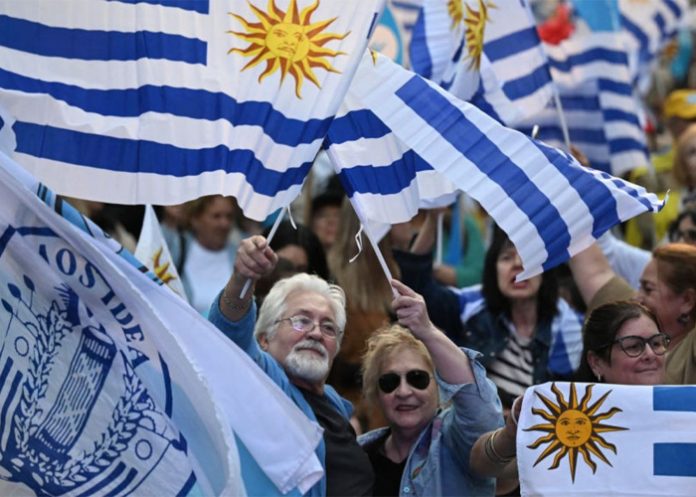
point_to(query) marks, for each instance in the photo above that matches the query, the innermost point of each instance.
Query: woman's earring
(599, 377)
(683, 318)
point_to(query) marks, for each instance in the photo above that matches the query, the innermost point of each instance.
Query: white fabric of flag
(152, 250)
(167, 100)
(145, 397)
(488, 53)
(579, 439)
(649, 26)
(597, 100)
(549, 205)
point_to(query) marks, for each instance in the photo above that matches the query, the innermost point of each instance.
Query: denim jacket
(242, 333)
(438, 463)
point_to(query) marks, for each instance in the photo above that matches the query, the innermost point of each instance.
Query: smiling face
(407, 408)
(646, 369)
(306, 356)
(508, 266)
(661, 299)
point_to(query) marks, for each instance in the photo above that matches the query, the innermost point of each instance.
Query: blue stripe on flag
(673, 7)
(588, 56)
(661, 25)
(682, 398)
(2, 123)
(200, 6)
(14, 385)
(130, 476)
(615, 87)
(511, 44)
(354, 125)
(187, 486)
(619, 145)
(636, 32)
(107, 480)
(612, 115)
(595, 195)
(183, 102)
(580, 102)
(674, 459)
(528, 84)
(383, 180)
(421, 62)
(484, 154)
(140, 156)
(36, 38)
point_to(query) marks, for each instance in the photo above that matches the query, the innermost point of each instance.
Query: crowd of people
(417, 380)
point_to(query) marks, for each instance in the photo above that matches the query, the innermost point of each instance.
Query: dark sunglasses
(417, 378)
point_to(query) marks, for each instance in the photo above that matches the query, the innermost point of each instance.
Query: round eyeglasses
(305, 324)
(633, 346)
(417, 378)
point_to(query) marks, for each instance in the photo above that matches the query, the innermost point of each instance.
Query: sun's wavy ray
(586, 398)
(547, 416)
(606, 445)
(456, 12)
(594, 407)
(559, 396)
(606, 415)
(288, 41)
(559, 456)
(553, 447)
(587, 458)
(542, 440)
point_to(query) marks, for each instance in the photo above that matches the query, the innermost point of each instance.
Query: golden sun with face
(573, 429)
(288, 42)
(475, 30)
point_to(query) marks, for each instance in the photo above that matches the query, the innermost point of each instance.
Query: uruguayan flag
(649, 27)
(162, 101)
(550, 206)
(598, 103)
(578, 439)
(485, 52)
(104, 388)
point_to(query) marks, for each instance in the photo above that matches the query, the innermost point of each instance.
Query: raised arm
(254, 259)
(451, 362)
(591, 271)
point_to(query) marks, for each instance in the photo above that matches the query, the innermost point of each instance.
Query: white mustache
(308, 343)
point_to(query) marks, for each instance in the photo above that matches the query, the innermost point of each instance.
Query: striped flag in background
(485, 52)
(164, 101)
(650, 26)
(592, 77)
(550, 206)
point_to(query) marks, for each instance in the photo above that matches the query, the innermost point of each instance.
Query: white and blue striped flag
(649, 27)
(591, 74)
(550, 206)
(488, 53)
(162, 101)
(110, 386)
(582, 440)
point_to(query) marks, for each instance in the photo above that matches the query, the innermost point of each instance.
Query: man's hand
(255, 259)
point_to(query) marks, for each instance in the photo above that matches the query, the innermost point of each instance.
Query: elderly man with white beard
(295, 340)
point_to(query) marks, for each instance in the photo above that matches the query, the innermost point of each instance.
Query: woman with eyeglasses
(667, 288)
(436, 400)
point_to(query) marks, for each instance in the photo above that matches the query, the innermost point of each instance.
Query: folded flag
(164, 101)
(580, 439)
(153, 251)
(145, 397)
(550, 206)
(600, 109)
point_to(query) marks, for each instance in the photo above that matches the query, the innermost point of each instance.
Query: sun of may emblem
(573, 429)
(475, 28)
(288, 42)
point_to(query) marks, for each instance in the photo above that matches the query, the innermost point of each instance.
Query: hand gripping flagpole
(270, 236)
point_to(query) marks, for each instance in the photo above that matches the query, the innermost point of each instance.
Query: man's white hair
(274, 305)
